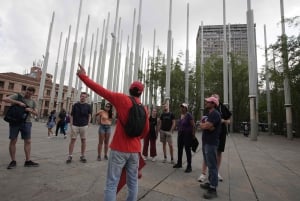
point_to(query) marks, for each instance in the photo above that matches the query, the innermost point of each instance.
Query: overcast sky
(24, 25)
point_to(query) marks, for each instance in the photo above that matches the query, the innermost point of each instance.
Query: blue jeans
(210, 158)
(117, 160)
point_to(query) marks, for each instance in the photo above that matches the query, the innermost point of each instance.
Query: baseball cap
(138, 85)
(184, 105)
(212, 99)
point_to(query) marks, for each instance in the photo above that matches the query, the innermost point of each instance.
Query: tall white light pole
(201, 73)
(286, 82)
(94, 72)
(83, 54)
(187, 59)
(131, 67)
(267, 73)
(113, 51)
(252, 71)
(137, 44)
(88, 90)
(44, 69)
(73, 60)
(103, 60)
(60, 101)
(225, 67)
(55, 74)
(168, 70)
(115, 70)
(230, 79)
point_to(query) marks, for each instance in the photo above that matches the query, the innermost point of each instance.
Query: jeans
(210, 158)
(118, 160)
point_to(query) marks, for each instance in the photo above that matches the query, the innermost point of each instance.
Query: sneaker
(30, 164)
(82, 159)
(177, 165)
(99, 158)
(172, 161)
(188, 170)
(105, 157)
(153, 159)
(220, 177)
(69, 160)
(165, 160)
(145, 158)
(202, 177)
(211, 193)
(12, 165)
(205, 186)
(65, 137)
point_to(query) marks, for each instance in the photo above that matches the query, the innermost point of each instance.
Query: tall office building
(213, 40)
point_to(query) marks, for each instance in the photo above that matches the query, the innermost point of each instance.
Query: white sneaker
(202, 177)
(220, 177)
(145, 158)
(165, 160)
(153, 159)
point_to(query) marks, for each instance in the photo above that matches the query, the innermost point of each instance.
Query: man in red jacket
(124, 149)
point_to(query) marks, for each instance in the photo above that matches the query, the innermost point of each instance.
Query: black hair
(30, 89)
(110, 114)
(134, 92)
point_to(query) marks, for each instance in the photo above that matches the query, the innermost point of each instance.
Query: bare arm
(207, 126)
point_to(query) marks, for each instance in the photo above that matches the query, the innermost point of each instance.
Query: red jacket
(120, 142)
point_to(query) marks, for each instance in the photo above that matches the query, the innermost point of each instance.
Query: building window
(1, 84)
(11, 86)
(48, 92)
(46, 103)
(1, 97)
(24, 88)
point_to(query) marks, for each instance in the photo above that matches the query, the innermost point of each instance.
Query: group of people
(125, 150)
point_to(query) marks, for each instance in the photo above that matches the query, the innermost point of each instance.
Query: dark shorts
(104, 129)
(222, 141)
(24, 128)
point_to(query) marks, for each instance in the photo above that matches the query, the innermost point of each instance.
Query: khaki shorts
(79, 130)
(166, 136)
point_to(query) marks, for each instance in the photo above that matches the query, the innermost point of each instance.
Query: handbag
(16, 114)
(195, 144)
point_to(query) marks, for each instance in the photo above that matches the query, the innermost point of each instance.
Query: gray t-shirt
(29, 102)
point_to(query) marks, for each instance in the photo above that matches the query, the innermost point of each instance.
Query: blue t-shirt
(80, 113)
(212, 137)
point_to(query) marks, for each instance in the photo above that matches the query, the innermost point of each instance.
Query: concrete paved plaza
(263, 170)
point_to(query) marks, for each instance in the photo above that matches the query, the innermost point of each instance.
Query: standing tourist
(104, 121)
(79, 122)
(186, 134)
(151, 137)
(125, 149)
(24, 128)
(210, 140)
(166, 127)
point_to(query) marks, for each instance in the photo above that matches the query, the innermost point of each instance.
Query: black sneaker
(12, 165)
(177, 166)
(105, 157)
(31, 164)
(205, 186)
(188, 170)
(82, 159)
(69, 160)
(211, 193)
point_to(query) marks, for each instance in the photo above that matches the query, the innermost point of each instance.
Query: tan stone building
(11, 83)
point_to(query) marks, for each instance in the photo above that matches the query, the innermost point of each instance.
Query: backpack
(16, 114)
(136, 119)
